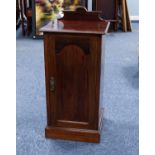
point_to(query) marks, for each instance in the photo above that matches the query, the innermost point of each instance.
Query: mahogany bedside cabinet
(72, 52)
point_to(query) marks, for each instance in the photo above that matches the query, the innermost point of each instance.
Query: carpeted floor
(119, 97)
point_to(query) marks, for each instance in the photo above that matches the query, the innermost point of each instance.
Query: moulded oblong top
(73, 26)
(79, 21)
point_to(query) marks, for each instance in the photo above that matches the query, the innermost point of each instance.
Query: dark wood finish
(76, 26)
(72, 69)
(81, 13)
(72, 133)
(84, 3)
(115, 11)
(22, 16)
(17, 14)
(80, 21)
(108, 10)
(27, 12)
(116, 24)
(17, 10)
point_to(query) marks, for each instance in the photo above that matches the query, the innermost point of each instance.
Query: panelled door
(73, 80)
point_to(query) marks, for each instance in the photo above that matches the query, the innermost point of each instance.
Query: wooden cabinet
(72, 65)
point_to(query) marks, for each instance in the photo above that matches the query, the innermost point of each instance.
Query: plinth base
(83, 135)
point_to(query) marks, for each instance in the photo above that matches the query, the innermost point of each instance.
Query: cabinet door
(74, 74)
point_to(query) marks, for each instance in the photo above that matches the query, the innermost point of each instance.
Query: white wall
(133, 6)
(89, 5)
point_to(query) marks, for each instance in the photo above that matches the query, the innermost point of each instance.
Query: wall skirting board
(134, 18)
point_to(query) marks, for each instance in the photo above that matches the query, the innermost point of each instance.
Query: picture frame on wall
(37, 20)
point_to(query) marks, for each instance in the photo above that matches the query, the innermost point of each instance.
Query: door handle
(52, 84)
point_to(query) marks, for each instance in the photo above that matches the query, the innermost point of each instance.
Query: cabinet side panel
(95, 72)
